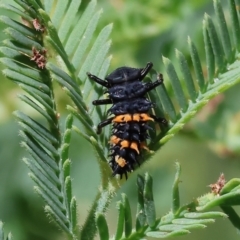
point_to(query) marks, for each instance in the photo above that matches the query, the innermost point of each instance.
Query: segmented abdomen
(129, 135)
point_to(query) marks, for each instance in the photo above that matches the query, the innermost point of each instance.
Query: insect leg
(145, 70)
(103, 124)
(102, 101)
(98, 80)
(149, 86)
(158, 119)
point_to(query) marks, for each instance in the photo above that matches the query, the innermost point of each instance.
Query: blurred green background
(209, 145)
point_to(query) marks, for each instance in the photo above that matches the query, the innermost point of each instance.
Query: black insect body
(130, 109)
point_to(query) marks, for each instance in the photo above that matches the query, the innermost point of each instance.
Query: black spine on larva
(130, 109)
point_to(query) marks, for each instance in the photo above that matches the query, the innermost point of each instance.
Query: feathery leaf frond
(179, 221)
(222, 73)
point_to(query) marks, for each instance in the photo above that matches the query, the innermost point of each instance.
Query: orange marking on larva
(134, 146)
(145, 117)
(123, 118)
(144, 146)
(136, 117)
(120, 161)
(114, 139)
(124, 144)
(127, 117)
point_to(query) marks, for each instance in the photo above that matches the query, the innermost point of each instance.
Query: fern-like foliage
(54, 40)
(180, 220)
(221, 49)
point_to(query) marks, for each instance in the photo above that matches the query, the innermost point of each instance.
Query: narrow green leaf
(196, 64)
(54, 40)
(18, 26)
(69, 19)
(167, 103)
(234, 23)
(177, 233)
(85, 41)
(81, 133)
(40, 152)
(42, 141)
(80, 27)
(175, 191)
(141, 215)
(155, 98)
(60, 10)
(34, 4)
(46, 19)
(47, 169)
(40, 4)
(60, 73)
(59, 220)
(149, 205)
(104, 67)
(210, 61)
(67, 136)
(216, 45)
(175, 227)
(61, 52)
(24, 70)
(128, 215)
(48, 6)
(27, 8)
(18, 47)
(98, 43)
(17, 11)
(85, 123)
(75, 96)
(66, 169)
(35, 167)
(20, 38)
(229, 199)
(73, 211)
(102, 226)
(166, 235)
(98, 149)
(186, 221)
(40, 129)
(186, 75)
(176, 85)
(232, 216)
(41, 97)
(50, 195)
(120, 224)
(204, 215)
(10, 53)
(35, 106)
(20, 78)
(64, 152)
(68, 189)
(68, 124)
(95, 65)
(230, 185)
(156, 234)
(227, 47)
(105, 136)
